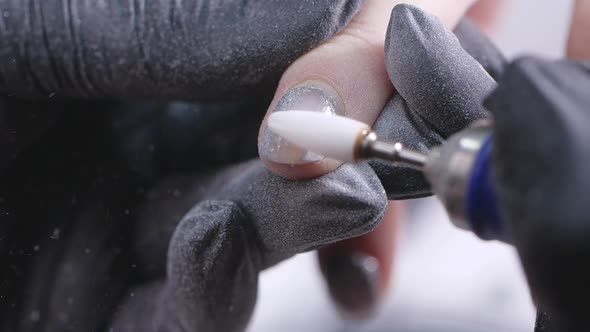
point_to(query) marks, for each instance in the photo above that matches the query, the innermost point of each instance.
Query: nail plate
(310, 96)
(353, 283)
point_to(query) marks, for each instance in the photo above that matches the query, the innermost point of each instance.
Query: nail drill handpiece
(458, 170)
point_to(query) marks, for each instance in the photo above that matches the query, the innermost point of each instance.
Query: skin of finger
(578, 45)
(353, 64)
(485, 14)
(380, 243)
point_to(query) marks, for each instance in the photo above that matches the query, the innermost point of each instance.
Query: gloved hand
(540, 157)
(239, 221)
(189, 50)
(540, 111)
(441, 79)
(81, 256)
(540, 152)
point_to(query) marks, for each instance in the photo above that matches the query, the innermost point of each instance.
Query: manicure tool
(458, 170)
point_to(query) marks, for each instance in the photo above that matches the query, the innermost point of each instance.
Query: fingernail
(353, 283)
(310, 96)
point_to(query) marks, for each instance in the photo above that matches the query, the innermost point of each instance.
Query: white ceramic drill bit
(339, 138)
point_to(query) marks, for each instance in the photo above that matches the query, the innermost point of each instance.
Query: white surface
(443, 276)
(329, 135)
(537, 27)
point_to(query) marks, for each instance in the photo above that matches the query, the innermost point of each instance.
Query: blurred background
(444, 279)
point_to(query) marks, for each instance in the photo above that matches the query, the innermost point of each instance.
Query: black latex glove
(190, 50)
(440, 88)
(245, 219)
(206, 245)
(541, 155)
(79, 256)
(541, 152)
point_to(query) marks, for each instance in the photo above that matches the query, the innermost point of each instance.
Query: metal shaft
(372, 148)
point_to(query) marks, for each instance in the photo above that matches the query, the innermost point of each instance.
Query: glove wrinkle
(212, 273)
(181, 50)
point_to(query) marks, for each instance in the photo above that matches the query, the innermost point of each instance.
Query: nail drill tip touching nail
(310, 96)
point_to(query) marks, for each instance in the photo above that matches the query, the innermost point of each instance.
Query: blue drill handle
(481, 199)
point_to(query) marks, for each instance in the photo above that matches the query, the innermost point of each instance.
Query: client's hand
(439, 90)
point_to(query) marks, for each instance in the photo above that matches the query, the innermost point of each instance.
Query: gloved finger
(189, 50)
(578, 44)
(211, 276)
(345, 76)
(343, 204)
(441, 90)
(358, 270)
(218, 249)
(423, 78)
